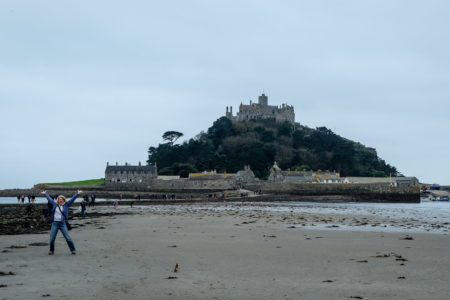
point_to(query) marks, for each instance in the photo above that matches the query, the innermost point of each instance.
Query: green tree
(286, 129)
(171, 136)
(229, 146)
(181, 169)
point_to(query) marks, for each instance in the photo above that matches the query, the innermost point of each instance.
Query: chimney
(139, 164)
(126, 164)
(107, 163)
(117, 163)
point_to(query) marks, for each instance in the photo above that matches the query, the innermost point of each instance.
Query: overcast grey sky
(86, 82)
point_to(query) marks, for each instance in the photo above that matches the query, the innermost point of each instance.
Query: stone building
(212, 180)
(141, 178)
(278, 175)
(245, 176)
(129, 177)
(327, 177)
(262, 110)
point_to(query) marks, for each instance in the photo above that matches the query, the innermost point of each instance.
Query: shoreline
(264, 191)
(157, 198)
(389, 217)
(227, 255)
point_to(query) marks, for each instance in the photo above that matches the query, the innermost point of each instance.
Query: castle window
(118, 179)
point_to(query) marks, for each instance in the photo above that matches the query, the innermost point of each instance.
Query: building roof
(168, 177)
(327, 176)
(296, 173)
(298, 179)
(127, 168)
(211, 176)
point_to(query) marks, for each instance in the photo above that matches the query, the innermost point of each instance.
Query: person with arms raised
(59, 214)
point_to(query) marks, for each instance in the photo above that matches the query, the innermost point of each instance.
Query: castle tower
(229, 113)
(263, 100)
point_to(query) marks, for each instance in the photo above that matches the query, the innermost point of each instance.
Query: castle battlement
(262, 110)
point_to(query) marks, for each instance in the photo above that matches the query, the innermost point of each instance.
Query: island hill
(261, 149)
(258, 136)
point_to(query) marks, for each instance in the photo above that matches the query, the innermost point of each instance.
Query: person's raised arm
(49, 199)
(74, 197)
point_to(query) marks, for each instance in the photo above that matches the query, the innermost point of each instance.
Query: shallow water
(427, 216)
(438, 211)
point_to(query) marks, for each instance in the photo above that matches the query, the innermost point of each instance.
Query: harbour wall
(276, 191)
(376, 192)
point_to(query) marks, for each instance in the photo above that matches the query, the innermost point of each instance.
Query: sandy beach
(232, 254)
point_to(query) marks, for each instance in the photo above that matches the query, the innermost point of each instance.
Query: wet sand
(224, 255)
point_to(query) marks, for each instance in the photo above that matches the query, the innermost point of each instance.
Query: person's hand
(79, 191)
(43, 192)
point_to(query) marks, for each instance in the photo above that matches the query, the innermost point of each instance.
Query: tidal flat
(237, 251)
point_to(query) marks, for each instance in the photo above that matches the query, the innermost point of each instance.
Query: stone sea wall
(178, 184)
(377, 192)
(101, 192)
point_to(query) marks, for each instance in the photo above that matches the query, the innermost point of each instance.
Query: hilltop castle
(262, 110)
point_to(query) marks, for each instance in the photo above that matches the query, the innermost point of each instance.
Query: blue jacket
(64, 208)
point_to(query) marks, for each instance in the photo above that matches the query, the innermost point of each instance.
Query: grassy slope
(81, 182)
